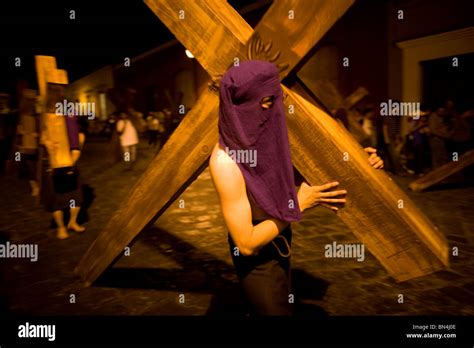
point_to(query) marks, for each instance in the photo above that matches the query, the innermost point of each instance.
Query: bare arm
(235, 205)
(76, 153)
(120, 127)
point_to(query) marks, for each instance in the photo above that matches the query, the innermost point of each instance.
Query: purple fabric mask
(72, 132)
(257, 138)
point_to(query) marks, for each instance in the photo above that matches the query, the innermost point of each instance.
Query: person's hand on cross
(311, 196)
(374, 160)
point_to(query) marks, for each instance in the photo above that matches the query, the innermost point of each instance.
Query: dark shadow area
(201, 272)
(4, 238)
(464, 182)
(442, 81)
(83, 217)
(307, 287)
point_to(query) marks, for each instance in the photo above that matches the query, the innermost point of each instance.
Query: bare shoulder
(225, 173)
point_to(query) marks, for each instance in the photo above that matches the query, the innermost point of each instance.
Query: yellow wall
(88, 88)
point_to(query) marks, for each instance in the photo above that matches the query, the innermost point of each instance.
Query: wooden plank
(52, 126)
(43, 64)
(290, 28)
(404, 240)
(58, 76)
(355, 97)
(182, 158)
(55, 130)
(211, 29)
(439, 174)
(325, 90)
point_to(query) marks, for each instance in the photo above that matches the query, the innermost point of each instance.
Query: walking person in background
(65, 192)
(29, 137)
(441, 131)
(62, 184)
(161, 129)
(153, 129)
(128, 139)
(149, 120)
(389, 145)
(369, 128)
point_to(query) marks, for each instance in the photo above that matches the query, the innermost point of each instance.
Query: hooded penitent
(257, 138)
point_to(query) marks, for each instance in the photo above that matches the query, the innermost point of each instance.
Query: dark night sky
(104, 32)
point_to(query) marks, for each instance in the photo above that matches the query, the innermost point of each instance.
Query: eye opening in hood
(267, 102)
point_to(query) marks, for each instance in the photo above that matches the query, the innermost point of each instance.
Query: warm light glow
(189, 54)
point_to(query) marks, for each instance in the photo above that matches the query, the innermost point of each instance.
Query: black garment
(61, 189)
(29, 162)
(266, 277)
(153, 140)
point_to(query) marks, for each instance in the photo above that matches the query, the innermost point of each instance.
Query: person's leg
(268, 289)
(59, 219)
(266, 278)
(133, 155)
(126, 153)
(32, 178)
(155, 138)
(126, 156)
(73, 225)
(133, 150)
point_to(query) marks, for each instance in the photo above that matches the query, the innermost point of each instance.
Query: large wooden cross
(52, 125)
(379, 213)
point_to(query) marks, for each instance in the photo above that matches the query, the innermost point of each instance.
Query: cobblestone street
(186, 252)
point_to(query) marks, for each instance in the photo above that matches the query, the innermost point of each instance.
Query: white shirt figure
(129, 134)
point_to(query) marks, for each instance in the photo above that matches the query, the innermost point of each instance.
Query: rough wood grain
(290, 28)
(52, 126)
(42, 65)
(55, 130)
(403, 239)
(211, 29)
(441, 173)
(355, 97)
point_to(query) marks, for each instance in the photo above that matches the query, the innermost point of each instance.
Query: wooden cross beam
(377, 211)
(53, 126)
(446, 170)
